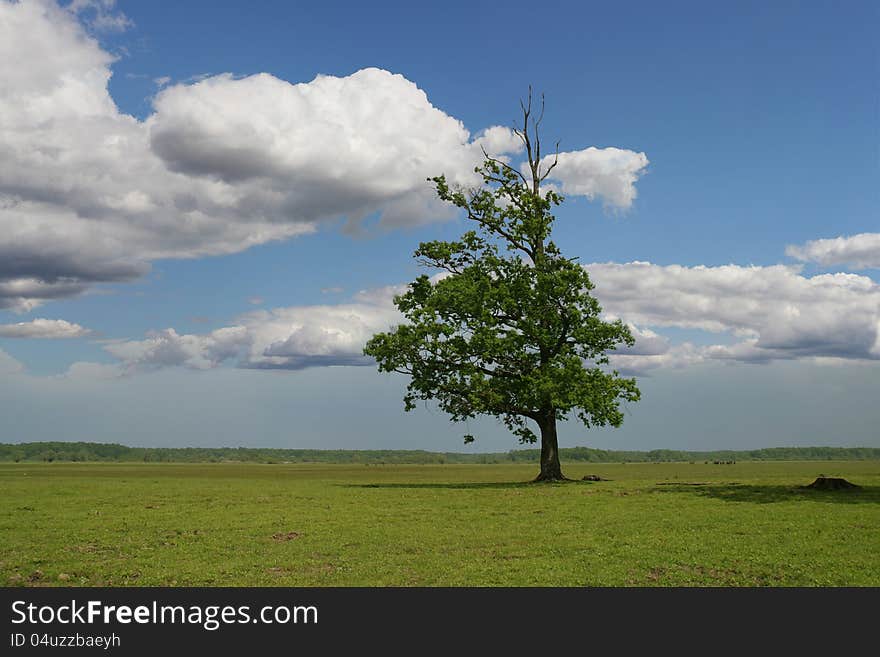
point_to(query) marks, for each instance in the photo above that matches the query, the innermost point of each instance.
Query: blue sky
(147, 202)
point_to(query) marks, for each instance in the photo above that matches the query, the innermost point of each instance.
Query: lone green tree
(510, 328)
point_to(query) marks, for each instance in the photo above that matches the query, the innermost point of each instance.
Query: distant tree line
(111, 452)
(576, 454)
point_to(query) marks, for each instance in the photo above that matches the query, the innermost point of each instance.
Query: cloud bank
(91, 195)
(775, 312)
(860, 251)
(43, 328)
(769, 313)
(282, 338)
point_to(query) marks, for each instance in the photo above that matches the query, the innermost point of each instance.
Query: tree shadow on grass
(464, 485)
(756, 494)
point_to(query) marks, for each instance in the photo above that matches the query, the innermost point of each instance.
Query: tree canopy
(508, 327)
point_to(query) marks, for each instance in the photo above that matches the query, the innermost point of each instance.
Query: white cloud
(499, 141)
(292, 338)
(860, 251)
(89, 194)
(23, 294)
(43, 328)
(82, 197)
(774, 312)
(281, 338)
(648, 343)
(8, 365)
(84, 370)
(777, 312)
(168, 348)
(609, 174)
(100, 15)
(675, 357)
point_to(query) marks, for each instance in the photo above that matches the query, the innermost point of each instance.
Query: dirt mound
(285, 536)
(831, 483)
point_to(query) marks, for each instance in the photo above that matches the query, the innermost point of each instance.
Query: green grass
(748, 524)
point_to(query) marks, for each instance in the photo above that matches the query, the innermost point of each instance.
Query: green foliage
(509, 328)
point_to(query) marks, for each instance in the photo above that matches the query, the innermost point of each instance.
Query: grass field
(746, 524)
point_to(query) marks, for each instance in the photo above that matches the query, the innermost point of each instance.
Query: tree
(509, 327)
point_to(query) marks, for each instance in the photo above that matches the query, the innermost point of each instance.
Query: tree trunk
(550, 468)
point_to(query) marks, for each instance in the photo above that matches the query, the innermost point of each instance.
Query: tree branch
(552, 166)
(496, 227)
(504, 165)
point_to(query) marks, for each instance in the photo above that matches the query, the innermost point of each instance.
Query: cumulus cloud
(43, 328)
(609, 174)
(89, 194)
(297, 337)
(88, 371)
(23, 294)
(82, 197)
(860, 251)
(764, 313)
(281, 338)
(648, 343)
(372, 133)
(673, 357)
(776, 312)
(168, 348)
(497, 141)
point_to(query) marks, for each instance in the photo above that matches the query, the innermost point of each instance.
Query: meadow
(652, 524)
